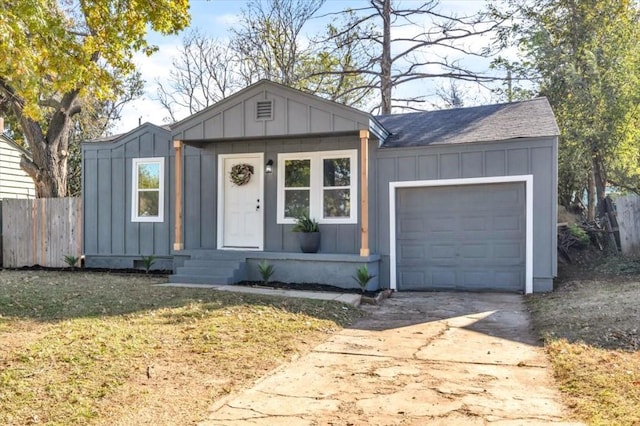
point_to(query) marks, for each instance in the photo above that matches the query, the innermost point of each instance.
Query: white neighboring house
(14, 182)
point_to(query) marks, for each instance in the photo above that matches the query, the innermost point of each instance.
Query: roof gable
(526, 119)
(245, 114)
(123, 138)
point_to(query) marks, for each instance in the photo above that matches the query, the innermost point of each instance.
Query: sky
(215, 18)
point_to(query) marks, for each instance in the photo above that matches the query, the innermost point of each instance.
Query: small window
(264, 110)
(148, 190)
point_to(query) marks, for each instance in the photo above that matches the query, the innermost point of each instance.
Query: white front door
(240, 205)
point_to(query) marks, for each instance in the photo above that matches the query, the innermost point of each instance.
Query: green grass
(77, 348)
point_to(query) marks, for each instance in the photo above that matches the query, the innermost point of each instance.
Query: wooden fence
(41, 231)
(628, 213)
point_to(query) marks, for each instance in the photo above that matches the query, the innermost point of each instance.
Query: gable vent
(264, 110)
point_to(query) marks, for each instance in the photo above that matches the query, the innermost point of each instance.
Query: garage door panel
(475, 251)
(412, 252)
(442, 251)
(415, 279)
(471, 237)
(507, 223)
(412, 225)
(441, 224)
(508, 251)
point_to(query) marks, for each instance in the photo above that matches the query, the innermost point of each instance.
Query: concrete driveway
(419, 358)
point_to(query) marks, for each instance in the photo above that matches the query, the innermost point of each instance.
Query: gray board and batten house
(461, 199)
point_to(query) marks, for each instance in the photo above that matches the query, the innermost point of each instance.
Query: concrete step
(217, 255)
(212, 272)
(211, 263)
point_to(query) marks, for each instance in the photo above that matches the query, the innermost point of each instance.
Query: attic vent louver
(264, 110)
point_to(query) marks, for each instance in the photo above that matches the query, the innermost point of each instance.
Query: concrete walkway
(418, 359)
(346, 298)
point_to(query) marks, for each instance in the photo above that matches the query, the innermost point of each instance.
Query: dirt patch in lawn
(114, 349)
(591, 328)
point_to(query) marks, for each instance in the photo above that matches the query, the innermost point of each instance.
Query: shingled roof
(525, 119)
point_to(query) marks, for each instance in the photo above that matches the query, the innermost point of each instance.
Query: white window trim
(134, 190)
(317, 185)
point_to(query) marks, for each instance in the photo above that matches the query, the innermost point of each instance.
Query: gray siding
(294, 113)
(106, 180)
(518, 157)
(200, 197)
(14, 182)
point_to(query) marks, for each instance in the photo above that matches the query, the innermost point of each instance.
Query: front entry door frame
(223, 180)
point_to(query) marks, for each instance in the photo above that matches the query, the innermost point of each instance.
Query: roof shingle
(525, 119)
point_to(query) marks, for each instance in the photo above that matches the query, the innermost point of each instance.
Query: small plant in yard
(71, 260)
(147, 262)
(363, 277)
(266, 271)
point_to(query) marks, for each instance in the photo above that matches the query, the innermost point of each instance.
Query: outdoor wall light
(269, 167)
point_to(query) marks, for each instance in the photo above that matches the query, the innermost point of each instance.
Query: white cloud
(228, 19)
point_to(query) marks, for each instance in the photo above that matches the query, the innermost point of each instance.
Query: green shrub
(579, 234)
(71, 260)
(147, 262)
(306, 224)
(266, 271)
(363, 277)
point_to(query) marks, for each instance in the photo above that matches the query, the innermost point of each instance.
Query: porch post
(364, 193)
(178, 244)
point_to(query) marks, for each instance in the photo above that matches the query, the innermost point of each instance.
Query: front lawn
(591, 327)
(98, 348)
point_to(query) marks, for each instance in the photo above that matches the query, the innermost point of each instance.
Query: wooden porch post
(364, 193)
(178, 244)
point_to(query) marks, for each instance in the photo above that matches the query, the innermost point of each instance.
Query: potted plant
(308, 234)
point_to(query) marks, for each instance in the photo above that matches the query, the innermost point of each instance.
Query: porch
(233, 266)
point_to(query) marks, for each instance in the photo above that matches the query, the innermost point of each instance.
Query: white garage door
(466, 237)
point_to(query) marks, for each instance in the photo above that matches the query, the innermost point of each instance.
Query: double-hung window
(322, 185)
(147, 190)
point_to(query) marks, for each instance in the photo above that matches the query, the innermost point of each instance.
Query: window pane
(296, 202)
(149, 176)
(337, 172)
(337, 203)
(297, 173)
(148, 203)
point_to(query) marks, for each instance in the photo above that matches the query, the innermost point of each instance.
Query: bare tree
(267, 43)
(202, 74)
(431, 52)
(268, 38)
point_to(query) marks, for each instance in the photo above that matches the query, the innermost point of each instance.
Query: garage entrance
(461, 237)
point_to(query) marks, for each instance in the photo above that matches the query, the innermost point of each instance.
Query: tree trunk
(591, 194)
(599, 180)
(48, 166)
(385, 65)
